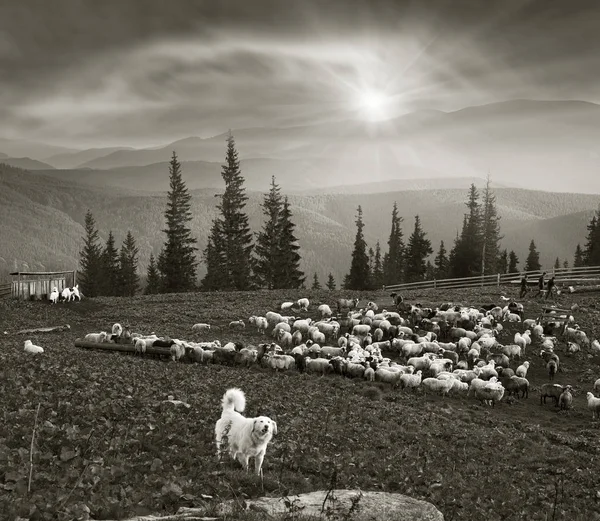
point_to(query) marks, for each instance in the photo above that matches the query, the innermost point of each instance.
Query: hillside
(26, 163)
(74, 159)
(325, 223)
(549, 145)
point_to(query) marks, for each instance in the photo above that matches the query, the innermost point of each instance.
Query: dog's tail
(234, 399)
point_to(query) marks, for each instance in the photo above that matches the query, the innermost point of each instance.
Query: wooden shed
(37, 285)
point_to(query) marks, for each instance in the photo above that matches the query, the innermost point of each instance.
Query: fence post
(498, 280)
(434, 283)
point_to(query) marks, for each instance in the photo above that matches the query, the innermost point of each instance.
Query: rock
(372, 506)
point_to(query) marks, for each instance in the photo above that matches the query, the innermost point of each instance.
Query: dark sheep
(550, 390)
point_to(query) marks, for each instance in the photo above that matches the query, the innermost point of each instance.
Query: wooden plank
(124, 348)
(41, 273)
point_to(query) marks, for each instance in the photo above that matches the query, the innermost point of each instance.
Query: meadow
(106, 437)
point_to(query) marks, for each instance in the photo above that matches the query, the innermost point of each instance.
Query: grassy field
(105, 439)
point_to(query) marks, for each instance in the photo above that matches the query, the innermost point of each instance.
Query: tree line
(236, 259)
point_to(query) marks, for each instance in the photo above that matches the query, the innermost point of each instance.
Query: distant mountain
(547, 145)
(3, 155)
(26, 163)
(325, 221)
(32, 149)
(74, 159)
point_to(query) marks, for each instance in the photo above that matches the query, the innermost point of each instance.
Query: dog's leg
(258, 461)
(243, 459)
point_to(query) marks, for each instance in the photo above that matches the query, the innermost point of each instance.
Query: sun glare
(373, 104)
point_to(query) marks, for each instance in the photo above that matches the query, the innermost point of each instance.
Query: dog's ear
(274, 427)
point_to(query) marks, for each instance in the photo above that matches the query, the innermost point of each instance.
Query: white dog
(247, 437)
(54, 296)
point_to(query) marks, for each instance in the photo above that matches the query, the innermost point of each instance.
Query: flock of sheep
(451, 349)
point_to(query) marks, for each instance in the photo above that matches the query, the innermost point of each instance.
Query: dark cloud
(124, 71)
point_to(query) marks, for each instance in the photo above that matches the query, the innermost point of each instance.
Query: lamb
(565, 400)
(201, 328)
(54, 296)
(303, 304)
(237, 324)
(437, 386)
(522, 369)
(550, 390)
(30, 347)
(593, 404)
(98, 338)
(317, 365)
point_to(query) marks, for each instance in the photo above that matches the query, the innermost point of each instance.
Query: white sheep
(287, 306)
(177, 351)
(318, 365)
(411, 380)
(98, 338)
(593, 404)
(301, 325)
(325, 311)
(237, 324)
(597, 386)
(201, 328)
(140, 346)
(117, 329)
(595, 347)
(303, 304)
(522, 370)
(437, 386)
(459, 387)
(285, 339)
(31, 348)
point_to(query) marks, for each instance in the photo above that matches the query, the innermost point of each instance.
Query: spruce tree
(503, 262)
(316, 284)
(268, 240)
(429, 271)
(231, 238)
(377, 272)
(129, 280)
(417, 251)
(358, 277)
(177, 261)
(288, 274)
(467, 255)
(533, 259)
(110, 267)
(441, 263)
(153, 282)
(491, 232)
(578, 261)
(513, 262)
(557, 263)
(393, 260)
(566, 264)
(330, 282)
(90, 259)
(591, 252)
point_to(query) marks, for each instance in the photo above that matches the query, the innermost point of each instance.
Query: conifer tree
(377, 271)
(429, 271)
(110, 267)
(467, 255)
(359, 276)
(153, 282)
(129, 280)
(230, 238)
(417, 251)
(578, 261)
(90, 259)
(557, 263)
(566, 264)
(393, 260)
(513, 262)
(177, 261)
(533, 259)
(330, 282)
(491, 231)
(316, 284)
(288, 274)
(441, 263)
(503, 262)
(591, 251)
(267, 241)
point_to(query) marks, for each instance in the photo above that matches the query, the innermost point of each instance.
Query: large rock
(339, 504)
(372, 506)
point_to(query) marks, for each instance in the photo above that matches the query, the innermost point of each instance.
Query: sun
(373, 105)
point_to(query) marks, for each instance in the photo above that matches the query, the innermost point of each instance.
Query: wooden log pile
(123, 348)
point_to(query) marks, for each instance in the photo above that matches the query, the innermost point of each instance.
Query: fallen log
(123, 348)
(586, 289)
(35, 330)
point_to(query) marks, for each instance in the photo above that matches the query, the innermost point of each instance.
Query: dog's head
(264, 426)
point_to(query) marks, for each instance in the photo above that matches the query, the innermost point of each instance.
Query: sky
(88, 73)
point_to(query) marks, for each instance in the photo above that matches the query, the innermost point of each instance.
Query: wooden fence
(563, 277)
(37, 285)
(5, 290)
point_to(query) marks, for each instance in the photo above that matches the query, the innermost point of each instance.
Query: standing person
(524, 287)
(541, 284)
(550, 287)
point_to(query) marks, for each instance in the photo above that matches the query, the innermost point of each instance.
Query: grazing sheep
(96, 337)
(177, 351)
(552, 368)
(303, 304)
(595, 347)
(30, 347)
(344, 303)
(54, 296)
(333, 351)
(287, 306)
(301, 325)
(285, 339)
(385, 375)
(437, 386)
(369, 374)
(237, 324)
(573, 348)
(459, 387)
(325, 311)
(550, 390)
(565, 400)
(139, 346)
(593, 404)
(597, 386)
(522, 370)
(318, 365)
(201, 328)
(487, 392)
(516, 385)
(280, 362)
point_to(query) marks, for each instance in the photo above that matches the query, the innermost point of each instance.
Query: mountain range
(42, 219)
(541, 145)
